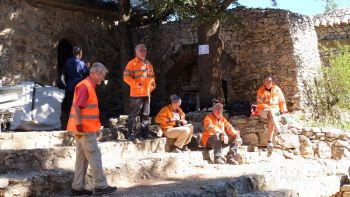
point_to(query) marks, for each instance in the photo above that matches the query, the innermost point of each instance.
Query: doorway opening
(64, 51)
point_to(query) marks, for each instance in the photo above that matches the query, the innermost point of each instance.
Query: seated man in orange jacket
(172, 121)
(218, 132)
(271, 103)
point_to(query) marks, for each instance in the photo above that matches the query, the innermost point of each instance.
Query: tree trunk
(126, 49)
(209, 65)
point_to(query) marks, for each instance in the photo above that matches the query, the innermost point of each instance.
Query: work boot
(269, 149)
(231, 159)
(185, 148)
(146, 133)
(83, 192)
(132, 137)
(177, 150)
(220, 160)
(146, 136)
(106, 190)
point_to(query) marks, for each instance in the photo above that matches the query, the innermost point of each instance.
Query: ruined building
(37, 36)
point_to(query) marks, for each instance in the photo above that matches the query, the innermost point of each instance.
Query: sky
(305, 7)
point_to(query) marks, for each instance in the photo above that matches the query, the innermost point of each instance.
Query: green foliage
(331, 91)
(337, 78)
(205, 10)
(201, 10)
(330, 6)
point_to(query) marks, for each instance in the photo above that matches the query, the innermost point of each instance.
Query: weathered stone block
(323, 150)
(307, 149)
(332, 133)
(341, 143)
(345, 188)
(339, 152)
(250, 139)
(4, 182)
(263, 139)
(288, 141)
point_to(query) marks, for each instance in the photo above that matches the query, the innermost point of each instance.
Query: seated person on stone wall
(218, 133)
(172, 121)
(271, 104)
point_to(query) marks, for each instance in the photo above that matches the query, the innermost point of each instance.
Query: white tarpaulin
(41, 108)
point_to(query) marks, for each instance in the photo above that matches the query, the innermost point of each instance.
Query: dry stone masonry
(270, 41)
(30, 34)
(308, 142)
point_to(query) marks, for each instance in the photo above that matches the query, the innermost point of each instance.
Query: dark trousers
(214, 142)
(65, 108)
(139, 106)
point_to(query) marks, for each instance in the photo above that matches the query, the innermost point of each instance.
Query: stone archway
(179, 71)
(74, 39)
(64, 51)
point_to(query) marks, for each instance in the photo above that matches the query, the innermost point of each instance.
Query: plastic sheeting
(41, 108)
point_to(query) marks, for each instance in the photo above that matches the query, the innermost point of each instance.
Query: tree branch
(226, 3)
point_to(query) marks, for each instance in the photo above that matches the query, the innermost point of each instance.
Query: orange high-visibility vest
(165, 113)
(90, 115)
(140, 77)
(211, 124)
(270, 100)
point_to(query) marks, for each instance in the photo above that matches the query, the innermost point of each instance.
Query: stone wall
(333, 26)
(172, 51)
(323, 143)
(271, 41)
(30, 33)
(307, 61)
(332, 29)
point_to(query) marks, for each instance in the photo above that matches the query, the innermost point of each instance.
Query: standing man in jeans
(84, 122)
(271, 103)
(139, 75)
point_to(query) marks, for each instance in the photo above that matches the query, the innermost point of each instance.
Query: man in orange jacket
(139, 75)
(84, 122)
(172, 121)
(218, 132)
(271, 104)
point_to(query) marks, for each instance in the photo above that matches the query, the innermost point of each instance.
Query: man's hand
(80, 128)
(238, 141)
(171, 119)
(183, 121)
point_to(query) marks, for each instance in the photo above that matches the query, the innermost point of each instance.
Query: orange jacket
(163, 116)
(212, 124)
(270, 100)
(140, 78)
(90, 115)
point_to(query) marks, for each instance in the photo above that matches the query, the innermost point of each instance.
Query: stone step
(272, 174)
(195, 186)
(170, 174)
(123, 174)
(64, 157)
(33, 139)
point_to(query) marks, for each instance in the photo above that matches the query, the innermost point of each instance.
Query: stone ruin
(307, 162)
(36, 37)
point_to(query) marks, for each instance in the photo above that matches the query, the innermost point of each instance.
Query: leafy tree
(332, 88)
(331, 5)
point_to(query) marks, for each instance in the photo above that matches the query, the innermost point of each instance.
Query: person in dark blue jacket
(75, 70)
